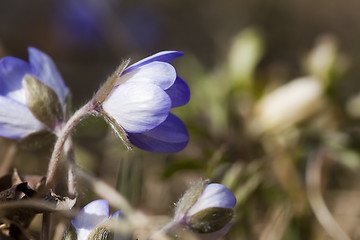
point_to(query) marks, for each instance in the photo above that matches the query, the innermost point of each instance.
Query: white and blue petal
(45, 70)
(89, 217)
(161, 74)
(165, 56)
(117, 215)
(16, 120)
(12, 71)
(170, 136)
(138, 106)
(179, 93)
(213, 195)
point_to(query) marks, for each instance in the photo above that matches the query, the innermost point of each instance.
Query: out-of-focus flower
(206, 209)
(32, 95)
(78, 23)
(140, 104)
(90, 221)
(288, 105)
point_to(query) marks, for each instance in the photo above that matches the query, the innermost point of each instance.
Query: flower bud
(206, 209)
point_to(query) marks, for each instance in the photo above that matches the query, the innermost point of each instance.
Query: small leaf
(210, 220)
(117, 128)
(42, 101)
(190, 197)
(110, 83)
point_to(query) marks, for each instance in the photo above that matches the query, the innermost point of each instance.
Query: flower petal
(159, 73)
(45, 70)
(117, 215)
(12, 71)
(138, 107)
(179, 93)
(89, 217)
(170, 136)
(214, 195)
(165, 56)
(16, 120)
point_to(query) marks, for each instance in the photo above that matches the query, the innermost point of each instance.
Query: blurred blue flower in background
(144, 25)
(17, 119)
(84, 24)
(78, 23)
(141, 102)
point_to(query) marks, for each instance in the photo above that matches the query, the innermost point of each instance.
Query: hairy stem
(69, 153)
(62, 138)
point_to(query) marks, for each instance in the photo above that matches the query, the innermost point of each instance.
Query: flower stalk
(62, 138)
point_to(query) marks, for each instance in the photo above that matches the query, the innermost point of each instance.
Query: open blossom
(92, 216)
(141, 101)
(20, 83)
(206, 209)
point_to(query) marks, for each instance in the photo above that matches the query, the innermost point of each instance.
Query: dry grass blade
(317, 203)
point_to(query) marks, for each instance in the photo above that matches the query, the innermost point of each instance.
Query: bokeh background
(274, 113)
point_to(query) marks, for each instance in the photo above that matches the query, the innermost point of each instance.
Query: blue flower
(141, 102)
(207, 214)
(16, 119)
(91, 216)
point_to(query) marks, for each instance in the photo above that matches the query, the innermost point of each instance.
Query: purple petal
(170, 136)
(179, 93)
(117, 215)
(214, 195)
(138, 107)
(16, 120)
(12, 71)
(165, 56)
(159, 73)
(89, 217)
(45, 70)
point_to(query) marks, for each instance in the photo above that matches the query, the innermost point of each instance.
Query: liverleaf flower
(92, 222)
(137, 100)
(206, 209)
(33, 96)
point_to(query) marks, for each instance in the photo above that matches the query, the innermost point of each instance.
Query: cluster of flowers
(136, 101)
(33, 99)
